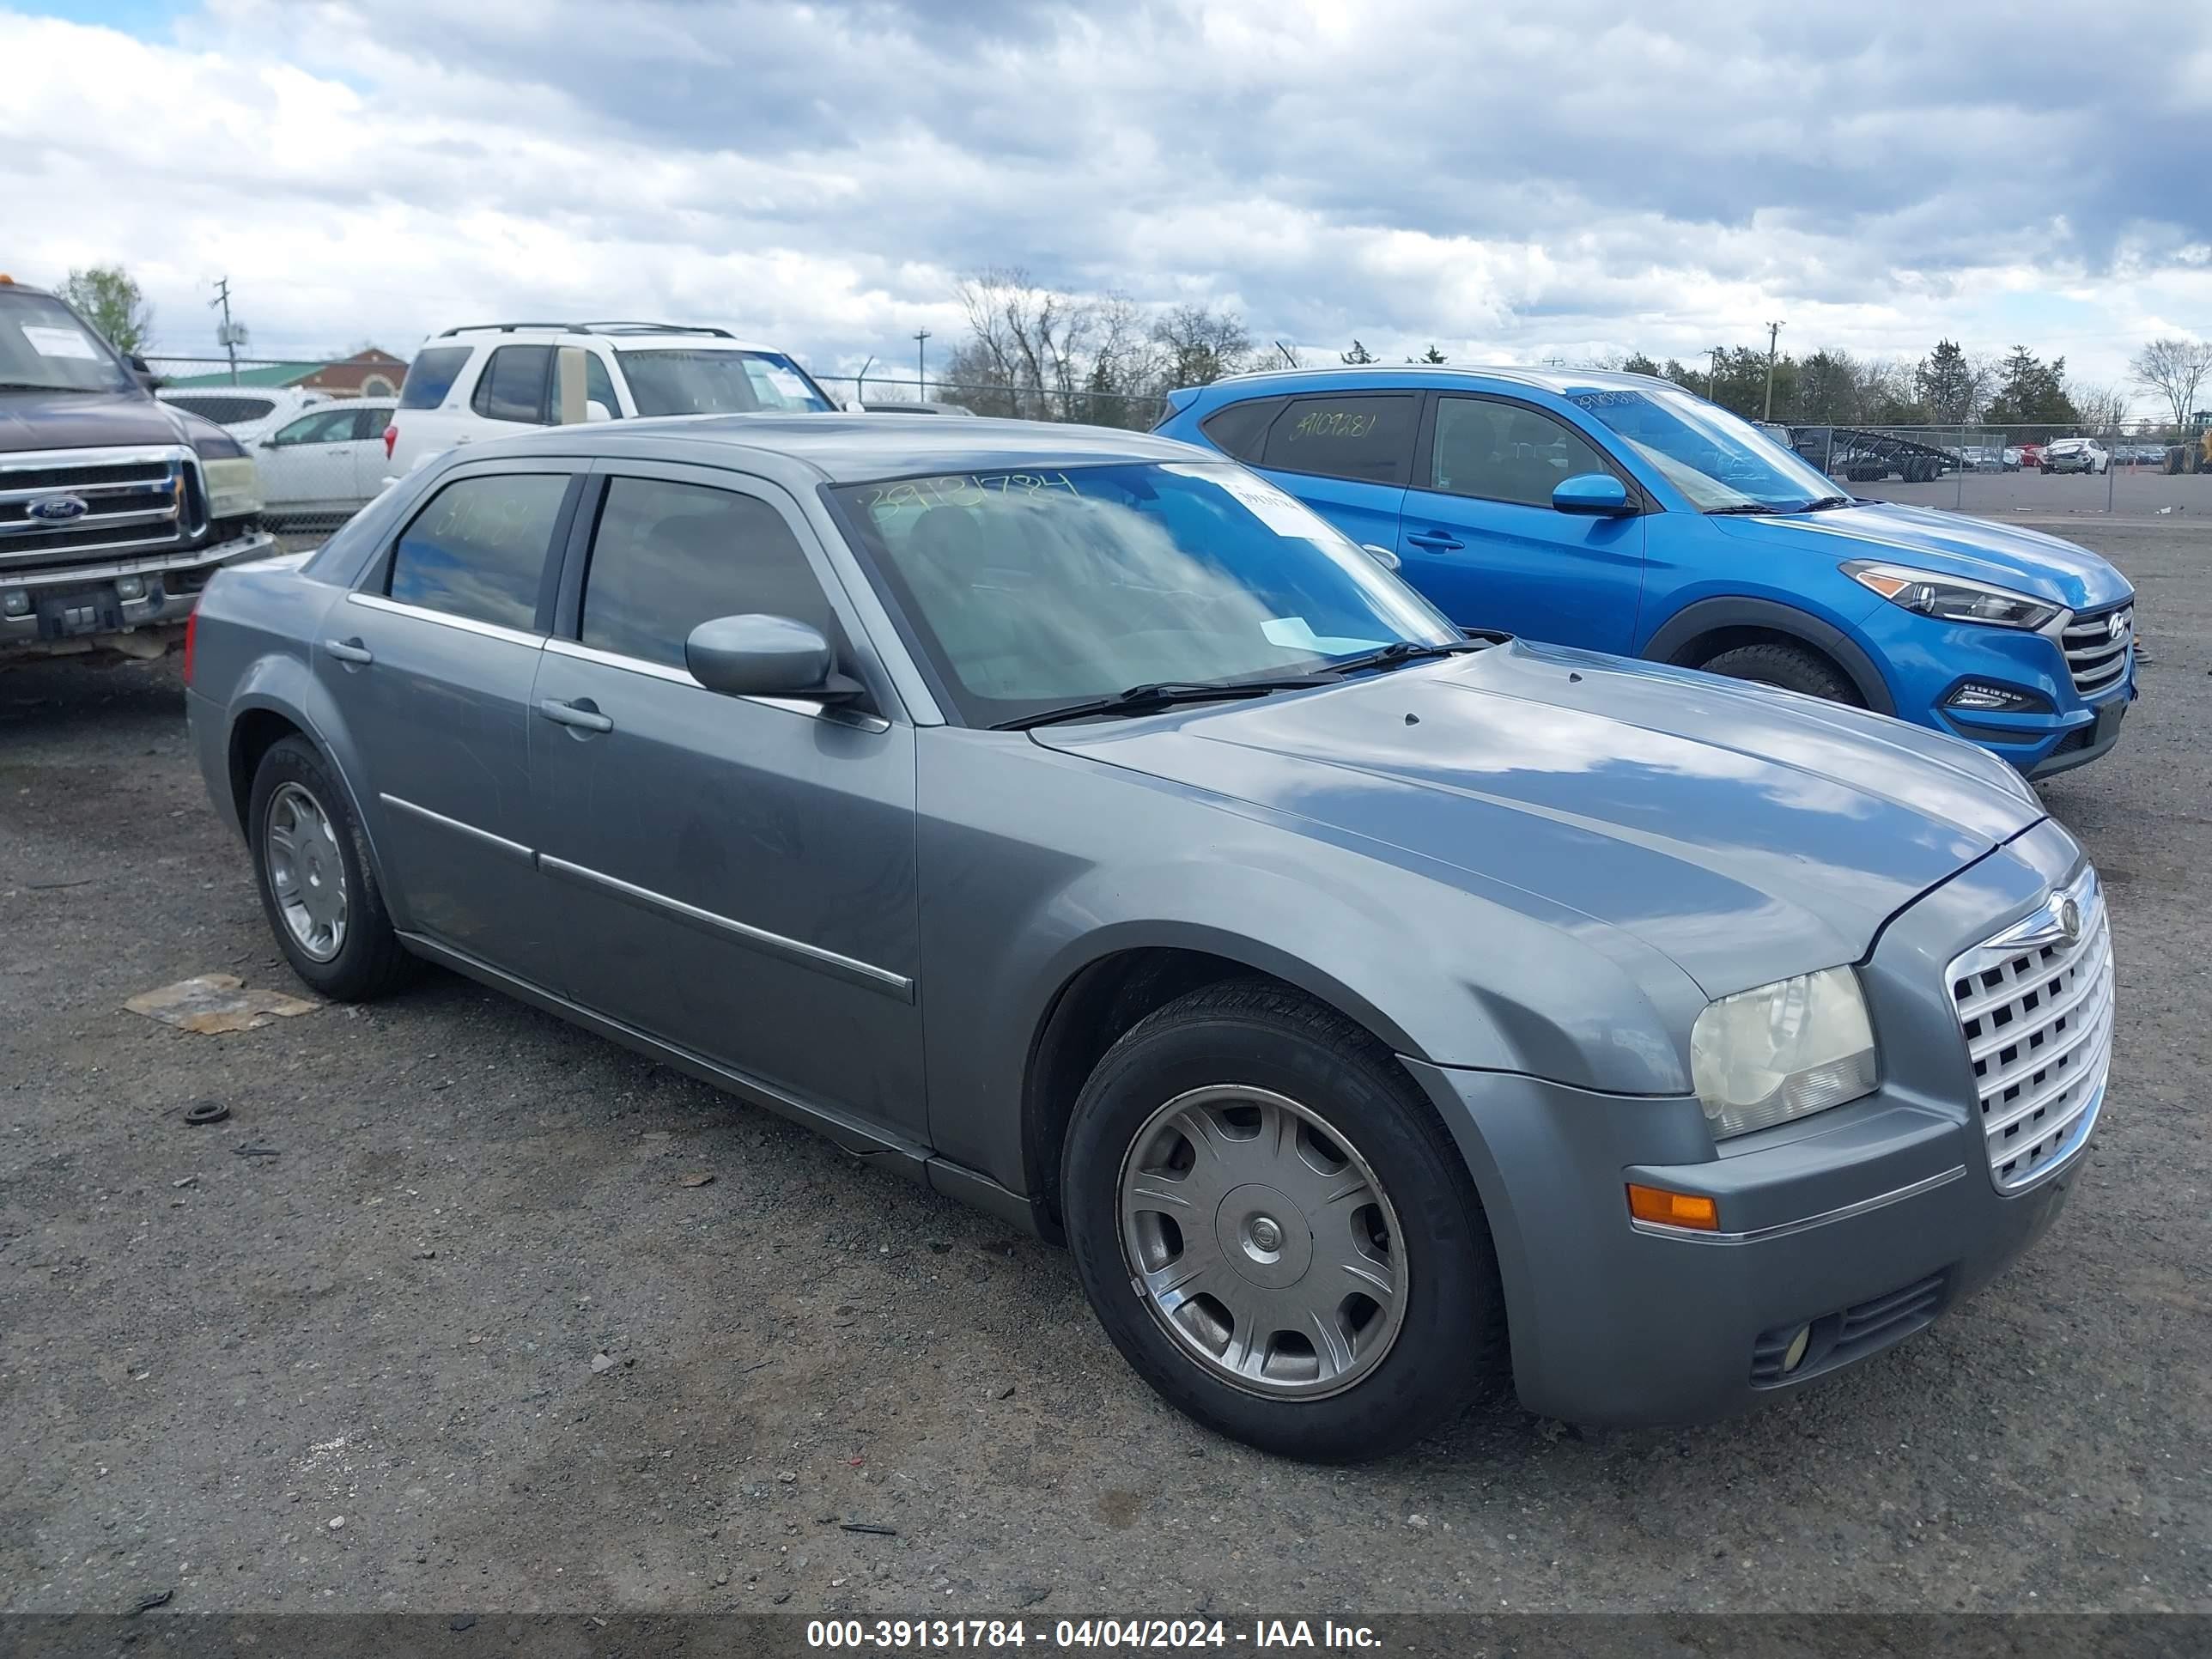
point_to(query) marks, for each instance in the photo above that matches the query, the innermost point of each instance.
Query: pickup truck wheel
(1276, 1229)
(311, 865)
(1791, 667)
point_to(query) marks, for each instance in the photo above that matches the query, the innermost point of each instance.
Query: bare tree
(2103, 409)
(1032, 339)
(1201, 344)
(2176, 370)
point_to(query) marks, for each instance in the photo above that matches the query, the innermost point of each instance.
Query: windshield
(1030, 591)
(708, 382)
(44, 347)
(1712, 457)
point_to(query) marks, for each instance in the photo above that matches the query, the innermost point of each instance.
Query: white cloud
(1554, 180)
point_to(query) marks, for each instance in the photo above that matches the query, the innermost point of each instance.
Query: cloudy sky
(1511, 181)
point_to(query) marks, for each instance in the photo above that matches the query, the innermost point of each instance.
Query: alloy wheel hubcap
(306, 872)
(1262, 1242)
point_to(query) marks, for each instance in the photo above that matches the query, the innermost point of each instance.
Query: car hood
(2004, 554)
(1746, 833)
(83, 420)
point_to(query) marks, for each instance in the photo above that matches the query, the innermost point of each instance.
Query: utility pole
(921, 365)
(1713, 374)
(1773, 332)
(230, 333)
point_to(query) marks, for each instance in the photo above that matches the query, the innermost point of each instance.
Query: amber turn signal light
(1673, 1209)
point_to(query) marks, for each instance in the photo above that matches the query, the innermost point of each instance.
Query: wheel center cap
(1263, 1235)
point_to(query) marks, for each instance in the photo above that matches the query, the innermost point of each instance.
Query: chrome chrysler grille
(57, 505)
(2096, 646)
(2035, 1003)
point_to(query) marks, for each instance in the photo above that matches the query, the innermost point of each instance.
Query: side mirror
(758, 656)
(1592, 496)
(268, 442)
(141, 373)
(596, 411)
(1381, 555)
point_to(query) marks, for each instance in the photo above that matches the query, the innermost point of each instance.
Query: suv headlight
(1785, 1051)
(1951, 599)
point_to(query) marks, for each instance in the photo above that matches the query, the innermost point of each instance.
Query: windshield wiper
(1828, 502)
(1747, 506)
(1166, 693)
(41, 385)
(1400, 651)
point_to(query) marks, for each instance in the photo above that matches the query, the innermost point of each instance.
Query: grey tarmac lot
(207, 1358)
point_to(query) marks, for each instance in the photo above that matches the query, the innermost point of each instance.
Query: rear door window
(479, 548)
(513, 383)
(432, 374)
(668, 557)
(1364, 437)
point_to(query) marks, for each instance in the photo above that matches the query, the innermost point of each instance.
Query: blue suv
(1623, 513)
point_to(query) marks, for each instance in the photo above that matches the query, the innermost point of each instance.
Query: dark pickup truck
(114, 508)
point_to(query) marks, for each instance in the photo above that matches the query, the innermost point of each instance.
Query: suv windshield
(695, 382)
(1719, 461)
(1030, 591)
(44, 348)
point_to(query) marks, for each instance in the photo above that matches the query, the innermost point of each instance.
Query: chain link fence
(2135, 467)
(315, 429)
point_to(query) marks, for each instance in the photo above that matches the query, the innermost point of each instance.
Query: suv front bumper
(66, 611)
(1859, 1225)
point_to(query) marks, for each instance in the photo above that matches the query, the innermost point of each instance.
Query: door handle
(352, 651)
(570, 714)
(1435, 540)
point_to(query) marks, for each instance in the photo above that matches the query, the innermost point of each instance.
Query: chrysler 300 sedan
(1074, 823)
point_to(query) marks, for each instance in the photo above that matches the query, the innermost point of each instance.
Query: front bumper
(1865, 1223)
(74, 609)
(1926, 663)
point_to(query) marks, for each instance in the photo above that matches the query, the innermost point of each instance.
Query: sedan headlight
(1952, 598)
(1798, 1046)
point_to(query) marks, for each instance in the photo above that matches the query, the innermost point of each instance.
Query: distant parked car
(2031, 457)
(2012, 458)
(1982, 458)
(247, 413)
(327, 462)
(498, 380)
(2076, 455)
(1622, 513)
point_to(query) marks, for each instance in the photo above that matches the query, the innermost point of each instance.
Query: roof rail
(622, 325)
(608, 327)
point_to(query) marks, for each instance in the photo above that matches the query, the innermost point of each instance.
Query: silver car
(1072, 821)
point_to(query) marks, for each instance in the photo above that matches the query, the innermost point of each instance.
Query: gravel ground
(359, 1373)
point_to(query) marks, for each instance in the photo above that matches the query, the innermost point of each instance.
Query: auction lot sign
(161, 1632)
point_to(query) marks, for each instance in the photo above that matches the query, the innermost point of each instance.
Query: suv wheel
(1276, 1231)
(1792, 667)
(311, 865)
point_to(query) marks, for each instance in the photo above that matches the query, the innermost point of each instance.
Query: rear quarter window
(1242, 428)
(431, 376)
(1363, 437)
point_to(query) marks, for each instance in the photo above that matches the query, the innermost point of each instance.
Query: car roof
(1545, 378)
(619, 335)
(853, 448)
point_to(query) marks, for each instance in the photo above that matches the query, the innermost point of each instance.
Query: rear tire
(311, 865)
(1791, 667)
(1317, 1173)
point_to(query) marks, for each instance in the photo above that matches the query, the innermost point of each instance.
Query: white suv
(487, 379)
(246, 412)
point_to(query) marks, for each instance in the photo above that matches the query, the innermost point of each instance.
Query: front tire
(1277, 1231)
(1791, 667)
(311, 865)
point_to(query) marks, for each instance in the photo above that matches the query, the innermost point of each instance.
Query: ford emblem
(60, 509)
